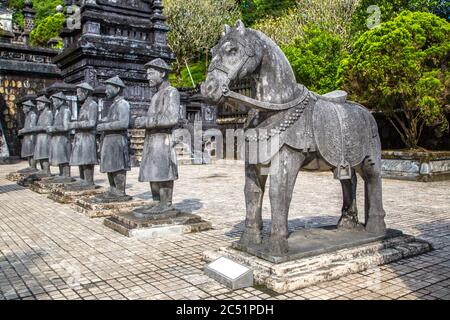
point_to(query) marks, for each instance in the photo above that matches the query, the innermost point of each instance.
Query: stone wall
(12, 88)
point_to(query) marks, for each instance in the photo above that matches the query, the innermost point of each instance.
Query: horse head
(237, 55)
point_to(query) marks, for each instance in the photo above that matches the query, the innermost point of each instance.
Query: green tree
(402, 68)
(315, 58)
(330, 15)
(47, 29)
(254, 10)
(43, 8)
(366, 14)
(196, 26)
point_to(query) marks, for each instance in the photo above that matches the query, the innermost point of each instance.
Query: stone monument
(42, 146)
(158, 167)
(60, 146)
(84, 151)
(29, 137)
(114, 157)
(114, 154)
(292, 128)
(28, 142)
(159, 162)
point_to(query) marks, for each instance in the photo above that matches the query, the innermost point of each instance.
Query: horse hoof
(348, 222)
(278, 246)
(251, 237)
(376, 226)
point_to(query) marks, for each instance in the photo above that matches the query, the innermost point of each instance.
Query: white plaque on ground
(230, 273)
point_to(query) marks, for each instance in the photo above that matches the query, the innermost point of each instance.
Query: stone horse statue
(314, 132)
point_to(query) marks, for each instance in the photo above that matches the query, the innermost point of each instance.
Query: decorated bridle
(242, 99)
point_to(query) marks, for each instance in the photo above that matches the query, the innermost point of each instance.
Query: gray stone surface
(301, 273)
(416, 166)
(291, 128)
(149, 227)
(50, 251)
(314, 241)
(92, 209)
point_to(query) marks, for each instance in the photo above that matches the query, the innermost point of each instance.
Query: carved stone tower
(104, 38)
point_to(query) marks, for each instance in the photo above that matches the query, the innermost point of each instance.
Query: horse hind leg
(349, 217)
(374, 211)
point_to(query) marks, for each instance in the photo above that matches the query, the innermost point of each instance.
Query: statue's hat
(43, 99)
(159, 64)
(28, 103)
(115, 81)
(86, 86)
(59, 95)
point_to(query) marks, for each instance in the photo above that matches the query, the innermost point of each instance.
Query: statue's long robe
(42, 147)
(29, 139)
(159, 162)
(60, 146)
(114, 154)
(84, 151)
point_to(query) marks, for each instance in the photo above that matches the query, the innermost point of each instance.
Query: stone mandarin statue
(29, 136)
(60, 146)
(159, 163)
(42, 147)
(84, 152)
(114, 154)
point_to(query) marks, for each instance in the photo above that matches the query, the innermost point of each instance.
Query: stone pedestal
(156, 226)
(47, 185)
(93, 209)
(316, 255)
(420, 166)
(21, 174)
(66, 196)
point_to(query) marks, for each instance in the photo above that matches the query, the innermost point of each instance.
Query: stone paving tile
(49, 251)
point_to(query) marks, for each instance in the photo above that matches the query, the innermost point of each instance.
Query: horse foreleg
(374, 202)
(349, 218)
(254, 194)
(282, 183)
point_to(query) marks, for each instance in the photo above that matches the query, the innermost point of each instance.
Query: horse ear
(240, 26)
(227, 29)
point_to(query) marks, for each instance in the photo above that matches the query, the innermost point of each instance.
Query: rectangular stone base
(147, 228)
(99, 210)
(16, 176)
(314, 241)
(63, 196)
(44, 186)
(303, 272)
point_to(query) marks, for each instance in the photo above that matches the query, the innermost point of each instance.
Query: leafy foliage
(315, 59)
(330, 15)
(47, 29)
(198, 72)
(389, 9)
(43, 8)
(255, 10)
(196, 26)
(402, 68)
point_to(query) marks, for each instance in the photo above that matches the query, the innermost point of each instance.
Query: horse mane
(273, 49)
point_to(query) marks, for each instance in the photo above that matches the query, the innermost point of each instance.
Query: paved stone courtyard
(49, 251)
